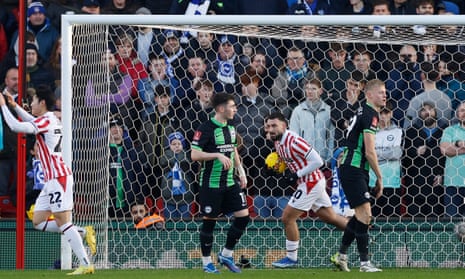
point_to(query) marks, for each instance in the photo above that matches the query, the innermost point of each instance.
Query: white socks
(291, 248)
(75, 241)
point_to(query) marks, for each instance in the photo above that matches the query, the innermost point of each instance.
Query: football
(274, 162)
(459, 231)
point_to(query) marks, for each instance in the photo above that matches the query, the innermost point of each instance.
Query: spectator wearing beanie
(40, 26)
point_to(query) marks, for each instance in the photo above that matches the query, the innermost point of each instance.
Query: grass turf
(407, 273)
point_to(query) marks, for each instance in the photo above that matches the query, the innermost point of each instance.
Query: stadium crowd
(161, 82)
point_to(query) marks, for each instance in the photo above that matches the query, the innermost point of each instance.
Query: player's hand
(227, 163)
(290, 177)
(378, 189)
(243, 181)
(9, 98)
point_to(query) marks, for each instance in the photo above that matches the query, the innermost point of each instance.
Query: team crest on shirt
(207, 209)
(374, 123)
(197, 135)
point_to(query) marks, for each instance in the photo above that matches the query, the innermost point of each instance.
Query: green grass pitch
(406, 273)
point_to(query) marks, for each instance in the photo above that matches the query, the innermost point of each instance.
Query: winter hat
(35, 7)
(178, 136)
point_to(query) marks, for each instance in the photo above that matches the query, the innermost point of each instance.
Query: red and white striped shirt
(293, 149)
(49, 139)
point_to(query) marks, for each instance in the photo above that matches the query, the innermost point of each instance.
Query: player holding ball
(303, 169)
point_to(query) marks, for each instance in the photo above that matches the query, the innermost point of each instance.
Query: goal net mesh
(123, 76)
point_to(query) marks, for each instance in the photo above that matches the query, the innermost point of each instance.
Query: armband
(240, 171)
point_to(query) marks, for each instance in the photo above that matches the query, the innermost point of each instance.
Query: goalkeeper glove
(290, 177)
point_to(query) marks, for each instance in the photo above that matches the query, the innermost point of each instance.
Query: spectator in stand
(455, 7)
(310, 7)
(127, 177)
(120, 85)
(91, 7)
(334, 75)
(120, 7)
(429, 53)
(37, 74)
(197, 70)
(156, 128)
(54, 63)
(449, 83)
(404, 82)
(311, 120)
(3, 42)
(347, 105)
(402, 7)
(260, 64)
(384, 55)
(145, 39)
(200, 110)
(315, 52)
(227, 66)
(157, 76)
(9, 24)
(11, 59)
(256, 45)
(352, 7)
(178, 179)
(453, 147)
(128, 60)
(8, 139)
(288, 87)
(423, 165)
(45, 33)
(389, 146)
(203, 46)
(56, 8)
(252, 107)
(425, 7)
(361, 59)
(170, 48)
(430, 75)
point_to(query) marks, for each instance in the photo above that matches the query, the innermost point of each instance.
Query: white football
(459, 231)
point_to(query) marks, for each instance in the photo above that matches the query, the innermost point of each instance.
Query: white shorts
(315, 199)
(56, 197)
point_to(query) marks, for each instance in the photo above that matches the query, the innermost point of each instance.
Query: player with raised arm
(215, 146)
(359, 156)
(303, 169)
(56, 196)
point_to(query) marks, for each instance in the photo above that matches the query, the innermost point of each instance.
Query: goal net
(133, 84)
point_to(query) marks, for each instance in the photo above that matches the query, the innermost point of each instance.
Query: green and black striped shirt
(212, 137)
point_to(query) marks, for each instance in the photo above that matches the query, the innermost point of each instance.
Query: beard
(429, 121)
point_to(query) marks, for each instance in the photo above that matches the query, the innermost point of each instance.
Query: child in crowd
(178, 178)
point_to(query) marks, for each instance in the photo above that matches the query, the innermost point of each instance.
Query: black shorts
(217, 201)
(354, 182)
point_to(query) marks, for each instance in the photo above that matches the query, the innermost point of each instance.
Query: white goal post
(180, 238)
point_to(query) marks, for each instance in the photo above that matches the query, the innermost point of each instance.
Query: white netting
(411, 228)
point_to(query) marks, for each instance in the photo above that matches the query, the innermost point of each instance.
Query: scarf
(296, 75)
(226, 70)
(169, 60)
(178, 187)
(338, 198)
